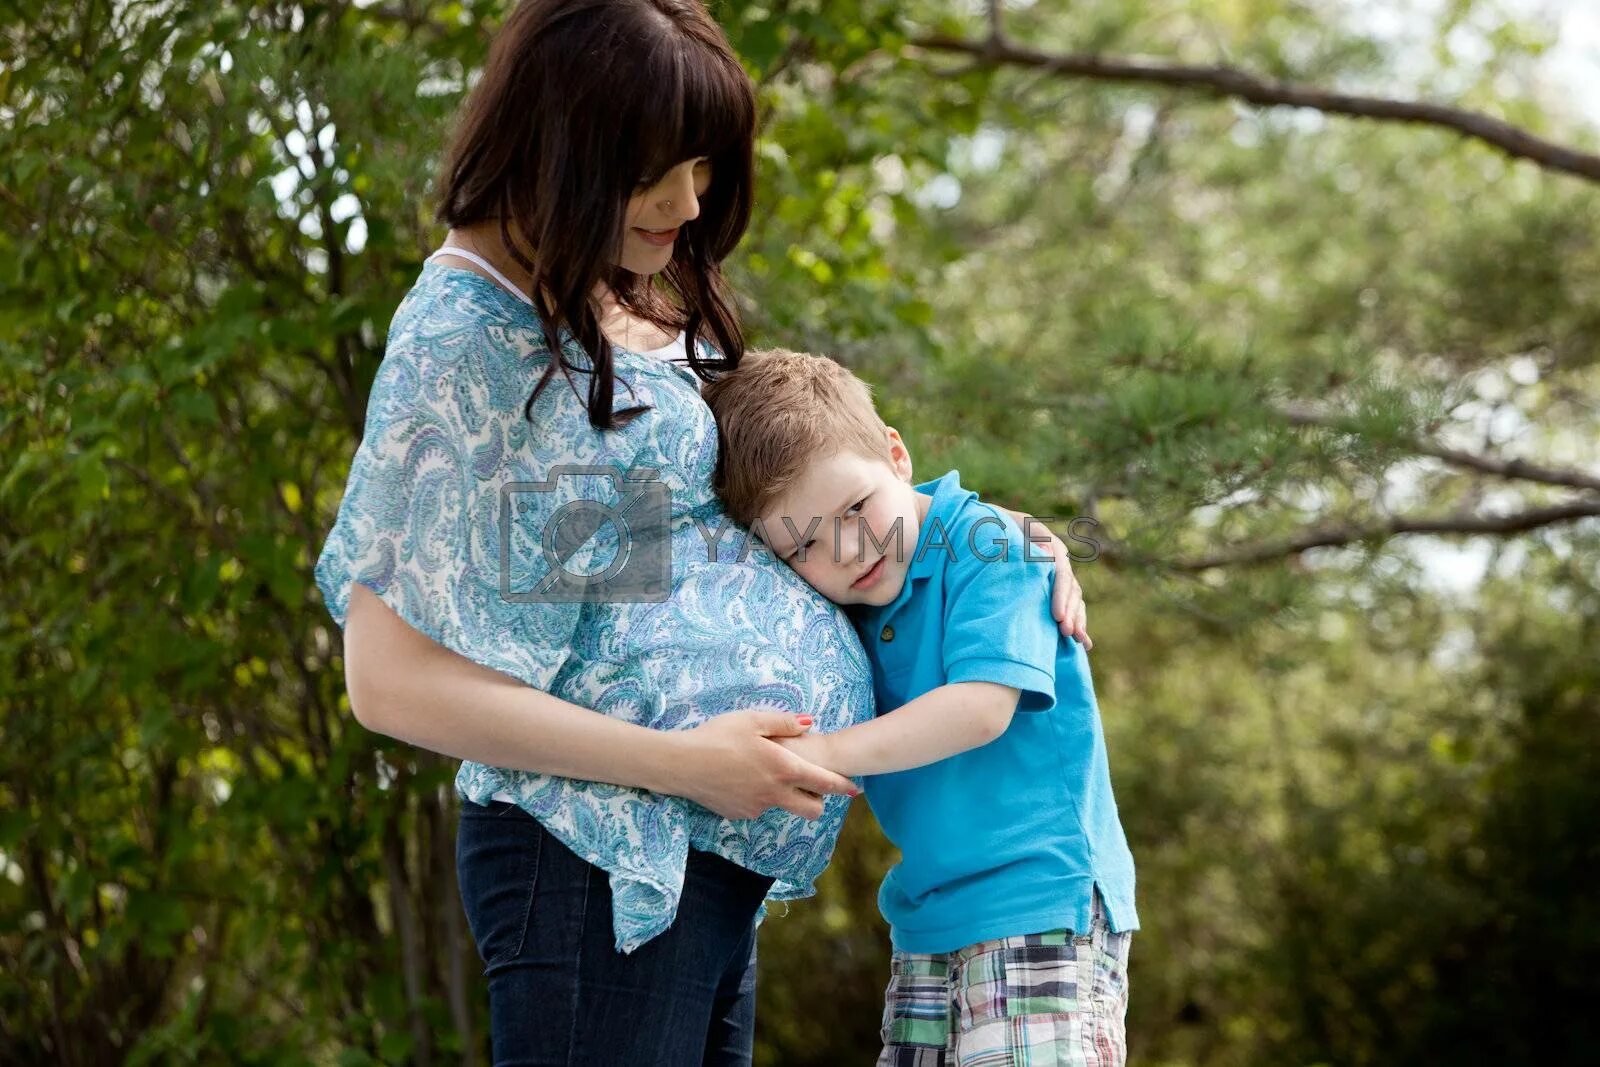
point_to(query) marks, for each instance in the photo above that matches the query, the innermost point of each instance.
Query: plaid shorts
(1037, 1000)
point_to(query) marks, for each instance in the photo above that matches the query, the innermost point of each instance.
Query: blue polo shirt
(1013, 837)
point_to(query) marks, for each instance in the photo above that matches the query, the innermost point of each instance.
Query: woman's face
(656, 212)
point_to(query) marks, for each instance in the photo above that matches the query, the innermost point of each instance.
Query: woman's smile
(659, 238)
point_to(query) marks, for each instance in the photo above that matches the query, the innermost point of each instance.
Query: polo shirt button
(888, 633)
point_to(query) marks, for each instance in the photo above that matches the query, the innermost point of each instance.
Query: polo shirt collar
(948, 496)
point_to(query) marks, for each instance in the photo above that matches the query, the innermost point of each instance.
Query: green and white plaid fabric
(1055, 999)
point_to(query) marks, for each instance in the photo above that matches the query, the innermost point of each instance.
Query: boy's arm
(940, 723)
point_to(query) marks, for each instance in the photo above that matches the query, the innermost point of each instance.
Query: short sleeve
(997, 622)
(452, 489)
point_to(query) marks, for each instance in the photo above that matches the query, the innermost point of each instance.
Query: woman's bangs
(700, 109)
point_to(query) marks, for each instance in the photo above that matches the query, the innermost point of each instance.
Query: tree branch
(997, 32)
(1511, 468)
(1231, 82)
(1520, 469)
(1332, 535)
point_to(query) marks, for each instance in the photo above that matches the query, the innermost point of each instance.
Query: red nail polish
(805, 720)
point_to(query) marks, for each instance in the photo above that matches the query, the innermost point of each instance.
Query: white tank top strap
(479, 261)
(674, 351)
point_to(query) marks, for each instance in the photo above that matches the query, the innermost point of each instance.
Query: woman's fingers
(1069, 609)
(779, 723)
(1065, 591)
(1066, 597)
(819, 780)
(1081, 626)
(803, 774)
(740, 770)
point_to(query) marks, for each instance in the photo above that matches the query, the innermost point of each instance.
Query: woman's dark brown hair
(582, 103)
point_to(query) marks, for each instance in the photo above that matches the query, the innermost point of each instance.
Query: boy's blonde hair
(776, 413)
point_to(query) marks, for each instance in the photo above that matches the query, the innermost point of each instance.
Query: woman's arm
(940, 723)
(404, 685)
(1066, 597)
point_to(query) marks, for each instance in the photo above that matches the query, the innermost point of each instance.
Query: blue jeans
(560, 994)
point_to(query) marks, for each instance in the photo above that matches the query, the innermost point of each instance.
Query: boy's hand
(734, 765)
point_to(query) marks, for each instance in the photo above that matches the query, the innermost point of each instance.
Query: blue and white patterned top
(420, 526)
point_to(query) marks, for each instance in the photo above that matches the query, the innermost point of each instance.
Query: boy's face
(857, 520)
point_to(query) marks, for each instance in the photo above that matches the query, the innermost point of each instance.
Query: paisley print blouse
(459, 511)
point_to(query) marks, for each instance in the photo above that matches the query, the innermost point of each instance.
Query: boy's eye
(857, 506)
(797, 553)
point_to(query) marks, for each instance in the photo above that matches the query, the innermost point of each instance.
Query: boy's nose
(853, 547)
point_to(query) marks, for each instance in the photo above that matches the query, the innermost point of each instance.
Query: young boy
(1011, 908)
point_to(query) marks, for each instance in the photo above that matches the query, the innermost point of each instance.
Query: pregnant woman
(626, 802)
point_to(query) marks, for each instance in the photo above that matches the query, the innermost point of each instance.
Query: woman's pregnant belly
(737, 630)
(741, 630)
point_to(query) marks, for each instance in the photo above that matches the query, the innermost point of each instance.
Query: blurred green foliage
(1362, 781)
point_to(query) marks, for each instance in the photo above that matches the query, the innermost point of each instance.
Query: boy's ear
(899, 455)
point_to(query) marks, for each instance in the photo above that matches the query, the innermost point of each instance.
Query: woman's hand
(733, 765)
(1066, 597)
(404, 685)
